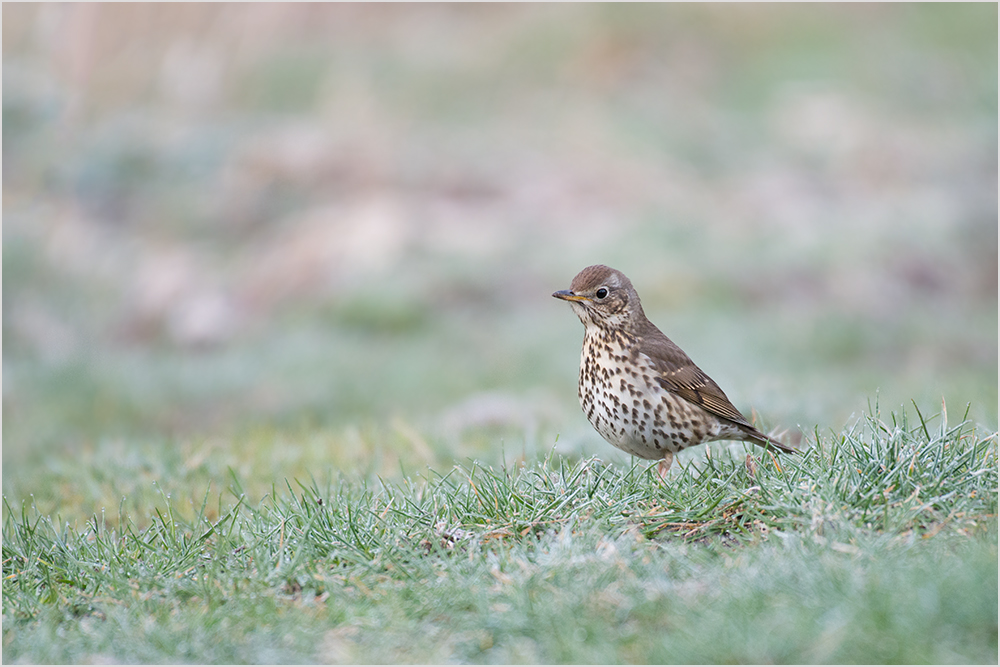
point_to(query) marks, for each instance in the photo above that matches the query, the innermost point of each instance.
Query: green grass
(878, 544)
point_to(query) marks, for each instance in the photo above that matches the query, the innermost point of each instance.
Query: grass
(878, 544)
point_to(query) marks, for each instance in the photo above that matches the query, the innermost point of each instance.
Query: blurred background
(304, 235)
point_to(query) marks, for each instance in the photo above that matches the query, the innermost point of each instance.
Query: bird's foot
(663, 467)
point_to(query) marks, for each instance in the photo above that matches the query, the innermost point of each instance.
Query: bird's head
(603, 297)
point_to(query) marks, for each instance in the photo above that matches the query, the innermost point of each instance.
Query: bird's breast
(625, 403)
(616, 389)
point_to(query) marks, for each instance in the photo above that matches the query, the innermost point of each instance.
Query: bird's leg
(664, 465)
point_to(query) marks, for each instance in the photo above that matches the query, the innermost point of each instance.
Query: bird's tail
(769, 442)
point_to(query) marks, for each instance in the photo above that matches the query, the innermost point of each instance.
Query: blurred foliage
(230, 217)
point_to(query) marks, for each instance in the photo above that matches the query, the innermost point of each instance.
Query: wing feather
(679, 375)
(691, 383)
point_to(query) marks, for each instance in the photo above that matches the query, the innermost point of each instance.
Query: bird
(639, 390)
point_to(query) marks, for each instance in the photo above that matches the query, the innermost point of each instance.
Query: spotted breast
(624, 402)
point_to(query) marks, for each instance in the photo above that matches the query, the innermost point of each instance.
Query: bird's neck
(604, 332)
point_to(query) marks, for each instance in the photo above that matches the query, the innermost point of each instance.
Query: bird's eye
(601, 293)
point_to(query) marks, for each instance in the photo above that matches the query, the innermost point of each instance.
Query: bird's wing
(677, 374)
(691, 383)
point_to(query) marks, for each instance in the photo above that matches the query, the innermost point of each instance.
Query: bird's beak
(567, 295)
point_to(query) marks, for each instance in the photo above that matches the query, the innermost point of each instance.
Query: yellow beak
(566, 295)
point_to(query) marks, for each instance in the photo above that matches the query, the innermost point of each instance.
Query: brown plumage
(640, 391)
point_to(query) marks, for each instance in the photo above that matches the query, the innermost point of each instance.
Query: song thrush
(640, 391)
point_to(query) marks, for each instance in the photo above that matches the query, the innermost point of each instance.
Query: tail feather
(769, 442)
